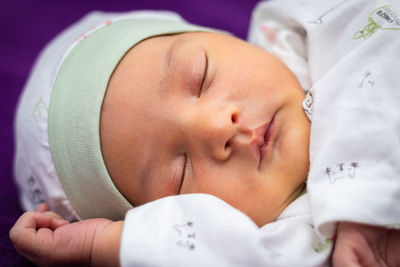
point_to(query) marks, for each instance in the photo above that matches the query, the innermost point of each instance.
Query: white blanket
(202, 230)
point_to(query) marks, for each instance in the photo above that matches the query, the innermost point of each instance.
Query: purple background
(26, 26)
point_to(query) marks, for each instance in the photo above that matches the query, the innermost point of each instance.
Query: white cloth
(34, 170)
(345, 54)
(202, 230)
(352, 49)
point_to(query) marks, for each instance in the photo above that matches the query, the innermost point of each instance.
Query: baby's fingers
(47, 219)
(32, 235)
(44, 208)
(28, 226)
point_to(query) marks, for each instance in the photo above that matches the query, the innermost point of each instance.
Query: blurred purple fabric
(26, 26)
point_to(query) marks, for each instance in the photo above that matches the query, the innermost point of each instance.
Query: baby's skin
(46, 239)
(206, 113)
(198, 113)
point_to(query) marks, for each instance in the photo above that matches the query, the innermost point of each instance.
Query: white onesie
(345, 54)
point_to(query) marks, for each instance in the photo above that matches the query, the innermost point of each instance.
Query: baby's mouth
(267, 138)
(261, 143)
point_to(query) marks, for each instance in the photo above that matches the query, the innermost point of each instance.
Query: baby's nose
(217, 130)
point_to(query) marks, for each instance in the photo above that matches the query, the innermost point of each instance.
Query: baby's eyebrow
(166, 62)
(170, 53)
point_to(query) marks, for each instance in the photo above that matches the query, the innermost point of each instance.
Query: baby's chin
(276, 211)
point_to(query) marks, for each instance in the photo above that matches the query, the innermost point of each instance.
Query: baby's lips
(268, 138)
(258, 140)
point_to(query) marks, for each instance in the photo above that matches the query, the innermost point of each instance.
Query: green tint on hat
(74, 113)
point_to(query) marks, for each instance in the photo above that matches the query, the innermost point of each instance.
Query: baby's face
(206, 113)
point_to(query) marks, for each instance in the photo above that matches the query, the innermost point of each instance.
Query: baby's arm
(47, 240)
(366, 245)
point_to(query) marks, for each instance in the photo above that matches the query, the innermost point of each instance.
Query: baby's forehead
(148, 56)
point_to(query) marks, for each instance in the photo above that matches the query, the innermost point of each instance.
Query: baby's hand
(366, 245)
(47, 240)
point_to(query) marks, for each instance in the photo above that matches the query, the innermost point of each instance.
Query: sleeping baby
(202, 142)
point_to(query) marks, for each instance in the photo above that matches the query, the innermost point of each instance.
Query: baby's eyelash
(184, 169)
(204, 75)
